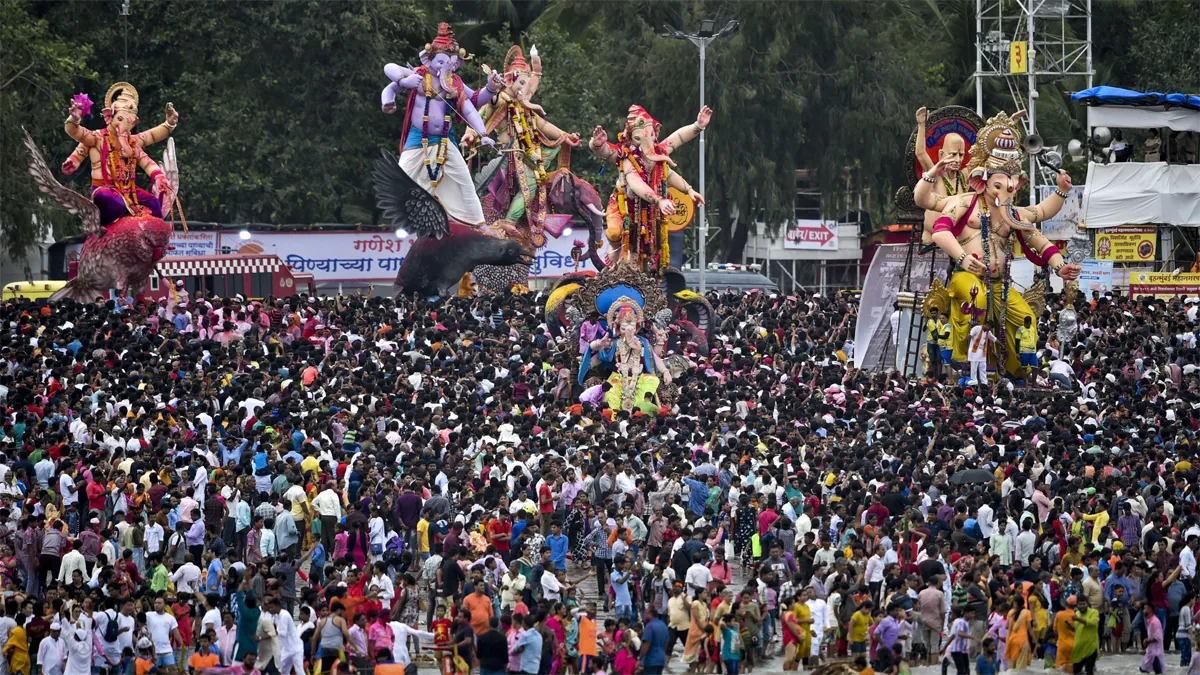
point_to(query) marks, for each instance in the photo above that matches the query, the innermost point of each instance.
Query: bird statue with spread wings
(445, 250)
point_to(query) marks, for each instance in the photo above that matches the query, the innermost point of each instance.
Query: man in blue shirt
(654, 644)
(623, 602)
(529, 645)
(697, 494)
(558, 543)
(212, 581)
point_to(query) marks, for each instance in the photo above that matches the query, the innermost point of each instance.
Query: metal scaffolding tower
(1024, 41)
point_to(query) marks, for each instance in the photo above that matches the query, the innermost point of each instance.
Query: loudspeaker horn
(1034, 144)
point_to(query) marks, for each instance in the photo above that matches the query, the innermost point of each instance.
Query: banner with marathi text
(1163, 284)
(1096, 276)
(371, 256)
(1133, 243)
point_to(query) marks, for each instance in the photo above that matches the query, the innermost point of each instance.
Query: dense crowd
(312, 485)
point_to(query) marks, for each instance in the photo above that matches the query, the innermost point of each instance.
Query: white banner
(371, 256)
(810, 235)
(1067, 222)
(186, 244)
(873, 332)
(1096, 276)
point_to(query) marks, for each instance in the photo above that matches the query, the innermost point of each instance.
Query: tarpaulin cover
(1118, 96)
(1134, 193)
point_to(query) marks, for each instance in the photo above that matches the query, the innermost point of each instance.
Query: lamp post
(701, 39)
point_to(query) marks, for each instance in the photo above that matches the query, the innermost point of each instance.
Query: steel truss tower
(1057, 37)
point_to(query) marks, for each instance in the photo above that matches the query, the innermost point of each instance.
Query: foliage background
(279, 100)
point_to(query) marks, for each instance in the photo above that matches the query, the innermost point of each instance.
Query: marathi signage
(372, 256)
(1163, 284)
(1126, 244)
(1018, 58)
(811, 235)
(184, 245)
(1096, 276)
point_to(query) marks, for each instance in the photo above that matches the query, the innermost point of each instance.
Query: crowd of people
(321, 484)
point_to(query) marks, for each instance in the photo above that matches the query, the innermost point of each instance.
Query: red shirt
(545, 499)
(499, 528)
(96, 494)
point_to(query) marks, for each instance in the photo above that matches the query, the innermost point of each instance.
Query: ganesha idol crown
(998, 149)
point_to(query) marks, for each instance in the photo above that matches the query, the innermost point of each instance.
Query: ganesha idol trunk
(433, 267)
(122, 257)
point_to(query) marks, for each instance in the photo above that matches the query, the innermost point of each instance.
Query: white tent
(1148, 117)
(1131, 193)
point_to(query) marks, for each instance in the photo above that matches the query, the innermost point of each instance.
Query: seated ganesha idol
(117, 153)
(978, 230)
(632, 359)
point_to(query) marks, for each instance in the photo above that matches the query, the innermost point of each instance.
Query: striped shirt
(959, 644)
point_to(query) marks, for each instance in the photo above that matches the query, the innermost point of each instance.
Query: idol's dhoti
(646, 384)
(456, 191)
(961, 285)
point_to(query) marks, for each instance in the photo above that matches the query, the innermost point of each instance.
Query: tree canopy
(279, 100)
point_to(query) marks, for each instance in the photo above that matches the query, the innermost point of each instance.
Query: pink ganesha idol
(126, 232)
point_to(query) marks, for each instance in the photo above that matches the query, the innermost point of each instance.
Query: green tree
(278, 101)
(36, 73)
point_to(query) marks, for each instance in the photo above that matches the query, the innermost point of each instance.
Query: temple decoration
(124, 223)
(641, 205)
(978, 230)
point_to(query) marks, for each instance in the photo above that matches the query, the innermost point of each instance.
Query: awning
(218, 265)
(1126, 109)
(1130, 193)
(1127, 97)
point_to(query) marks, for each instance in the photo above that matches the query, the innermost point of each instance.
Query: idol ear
(424, 57)
(1021, 181)
(977, 181)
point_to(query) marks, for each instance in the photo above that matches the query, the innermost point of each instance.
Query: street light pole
(702, 43)
(701, 39)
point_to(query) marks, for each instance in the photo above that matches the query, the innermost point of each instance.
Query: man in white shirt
(697, 577)
(400, 633)
(1061, 373)
(985, 520)
(1187, 558)
(187, 577)
(163, 627)
(154, 538)
(52, 652)
(977, 351)
(71, 562)
(125, 626)
(44, 470)
(328, 506)
(291, 647)
(382, 585)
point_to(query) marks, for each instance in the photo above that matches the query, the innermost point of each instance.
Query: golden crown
(998, 147)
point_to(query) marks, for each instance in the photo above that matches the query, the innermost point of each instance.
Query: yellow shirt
(860, 623)
(1099, 522)
(310, 465)
(933, 330)
(1027, 340)
(422, 536)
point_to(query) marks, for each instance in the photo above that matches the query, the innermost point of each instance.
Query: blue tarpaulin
(1126, 97)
